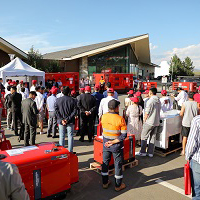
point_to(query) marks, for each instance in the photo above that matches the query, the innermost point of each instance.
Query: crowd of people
(141, 117)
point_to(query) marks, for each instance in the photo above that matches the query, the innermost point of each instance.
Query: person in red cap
(98, 96)
(103, 107)
(134, 114)
(108, 86)
(141, 101)
(73, 94)
(166, 102)
(87, 106)
(127, 100)
(52, 122)
(34, 82)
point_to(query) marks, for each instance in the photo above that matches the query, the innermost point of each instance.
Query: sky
(52, 25)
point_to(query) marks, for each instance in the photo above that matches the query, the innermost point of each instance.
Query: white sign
(164, 79)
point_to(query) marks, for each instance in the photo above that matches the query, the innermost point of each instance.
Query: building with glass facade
(126, 55)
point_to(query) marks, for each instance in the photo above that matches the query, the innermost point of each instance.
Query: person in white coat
(166, 102)
(40, 106)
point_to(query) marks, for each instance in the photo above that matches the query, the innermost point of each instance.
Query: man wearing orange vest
(114, 132)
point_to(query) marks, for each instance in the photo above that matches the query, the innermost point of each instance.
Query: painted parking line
(173, 187)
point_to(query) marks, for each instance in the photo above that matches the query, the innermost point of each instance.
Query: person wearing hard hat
(34, 82)
(127, 100)
(52, 123)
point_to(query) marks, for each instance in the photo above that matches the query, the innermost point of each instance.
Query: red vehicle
(118, 81)
(70, 79)
(188, 86)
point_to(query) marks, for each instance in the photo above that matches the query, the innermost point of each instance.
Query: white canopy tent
(163, 70)
(18, 68)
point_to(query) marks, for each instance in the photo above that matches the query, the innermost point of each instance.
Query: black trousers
(87, 125)
(17, 117)
(29, 134)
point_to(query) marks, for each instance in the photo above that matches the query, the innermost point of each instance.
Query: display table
(170, 125)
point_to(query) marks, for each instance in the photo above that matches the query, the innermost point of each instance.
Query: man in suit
(30, 111)
(16, 100)
(87, 106)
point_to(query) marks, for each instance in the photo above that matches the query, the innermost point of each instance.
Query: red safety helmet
(134, 99)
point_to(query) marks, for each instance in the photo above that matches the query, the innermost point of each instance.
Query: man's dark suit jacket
(29, 112)
(16, 99)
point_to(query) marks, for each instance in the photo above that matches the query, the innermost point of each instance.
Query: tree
(181, 68)
(35, 58)
(188, 66)
(52, 66)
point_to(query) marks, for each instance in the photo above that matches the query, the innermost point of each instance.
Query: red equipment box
(188, 86)
(118, 81)
(70, 79)
(4, 144)
(148, 85)
(129, 149)
(46, 169)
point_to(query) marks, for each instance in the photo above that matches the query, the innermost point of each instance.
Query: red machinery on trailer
(47, 170)
(118, 81)
(148, 85)
(70, 79)
(128, 150)
(188, 86)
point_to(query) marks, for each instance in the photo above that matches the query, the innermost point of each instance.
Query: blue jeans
(195, 179)
(70, 130)
(118, 161)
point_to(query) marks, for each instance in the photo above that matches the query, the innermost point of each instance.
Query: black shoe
(55, 136)
(81, 139)
(49, 135)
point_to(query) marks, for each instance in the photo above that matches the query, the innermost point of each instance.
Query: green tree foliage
(181, 68)
(35, 59)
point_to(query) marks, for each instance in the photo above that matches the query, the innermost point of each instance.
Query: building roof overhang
(11, 49)
(139, 44)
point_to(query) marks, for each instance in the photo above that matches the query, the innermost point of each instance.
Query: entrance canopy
(18, 68)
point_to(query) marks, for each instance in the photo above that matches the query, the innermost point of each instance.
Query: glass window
(116, 60)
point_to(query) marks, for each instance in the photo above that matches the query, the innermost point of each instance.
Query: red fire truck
(70, 79)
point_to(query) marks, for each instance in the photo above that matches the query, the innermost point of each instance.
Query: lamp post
(172, 74)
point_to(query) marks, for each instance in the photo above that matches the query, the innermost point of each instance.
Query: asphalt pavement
(154, 178)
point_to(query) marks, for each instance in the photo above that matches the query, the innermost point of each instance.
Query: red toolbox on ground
(46, 169)
(129, 149)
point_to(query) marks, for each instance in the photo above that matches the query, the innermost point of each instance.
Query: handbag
(187, 179)
(76, 126)
(99, 129)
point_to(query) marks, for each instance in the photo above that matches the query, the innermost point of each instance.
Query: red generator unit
(129, 149)
(148, 85)
(47, 170)
(120, 82)
(70, 79)
(188, 86)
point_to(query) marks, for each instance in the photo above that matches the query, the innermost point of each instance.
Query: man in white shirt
(34, 82)
(22, 92)
(61, 93)
(19, 86)
(166, 102)
(40, 103)
(181, 98)
(103, 107)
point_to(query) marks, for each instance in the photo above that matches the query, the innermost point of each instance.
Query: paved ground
(140, 180)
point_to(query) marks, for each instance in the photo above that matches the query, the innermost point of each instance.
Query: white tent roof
(19, 68)
(163, 70)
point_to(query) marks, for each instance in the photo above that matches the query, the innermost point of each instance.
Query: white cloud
(40, 42)
(152, 47)
(192, 51)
